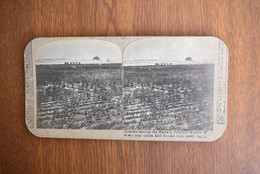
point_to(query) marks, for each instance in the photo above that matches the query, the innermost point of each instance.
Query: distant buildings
(96, 58)
(72, 63)
(188, 59)
(162, 64)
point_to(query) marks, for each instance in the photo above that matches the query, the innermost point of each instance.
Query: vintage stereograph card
(127, 88)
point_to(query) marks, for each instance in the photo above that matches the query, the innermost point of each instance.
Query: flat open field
(176, 97)
(79, 97)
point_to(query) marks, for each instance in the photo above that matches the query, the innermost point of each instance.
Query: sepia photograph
(168, 85)
(79, 85)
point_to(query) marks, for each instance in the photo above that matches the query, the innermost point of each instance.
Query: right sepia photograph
(168, 84)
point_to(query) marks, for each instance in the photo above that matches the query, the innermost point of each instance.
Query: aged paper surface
(127, 88)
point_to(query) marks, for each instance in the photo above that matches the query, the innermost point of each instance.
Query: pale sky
(168, 50)
(78, 50)
(146, 51)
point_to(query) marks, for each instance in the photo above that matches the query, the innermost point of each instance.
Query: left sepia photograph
(79, 85)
